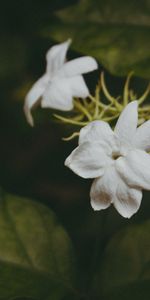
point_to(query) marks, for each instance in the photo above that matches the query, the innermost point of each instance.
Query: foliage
(37, 259)
(36, 256)
(126, 264)
(115, 32)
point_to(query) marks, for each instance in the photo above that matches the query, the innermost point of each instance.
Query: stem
(102, 105)
(142, 98)
(70, 121)
(97, 101)
(71, 137)
(83, 110)
(126, 89)
(78, 117)
(111, 118)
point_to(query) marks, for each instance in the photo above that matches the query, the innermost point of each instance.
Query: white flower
(61, 82)
(118, 160)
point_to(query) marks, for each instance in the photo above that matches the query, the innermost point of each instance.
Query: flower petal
(98, 131)
(78, 66)
(33, 96)
(127, 123)
(135, 169)
(142, 137)
(110, 188)
(127, 200)
(78, 86)
(58, 95)
(103, 189)
(56, 57)
(88, 160)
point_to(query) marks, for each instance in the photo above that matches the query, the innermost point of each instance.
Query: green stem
(126, 90)
(70, 121)
(71, 137)
(143, 97)
(81, 108)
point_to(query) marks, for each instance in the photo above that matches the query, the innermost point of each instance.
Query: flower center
(116, 155)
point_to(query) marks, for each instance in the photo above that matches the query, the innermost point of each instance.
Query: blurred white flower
(61, 82)
(118, 160)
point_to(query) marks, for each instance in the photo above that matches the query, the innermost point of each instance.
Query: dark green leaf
(36, 257)
(116, 32)
(126, 261)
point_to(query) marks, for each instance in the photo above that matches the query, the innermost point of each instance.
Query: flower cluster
(118, 160)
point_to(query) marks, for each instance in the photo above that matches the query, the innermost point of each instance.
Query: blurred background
(32, 159)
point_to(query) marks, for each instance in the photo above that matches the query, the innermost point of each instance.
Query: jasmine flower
(61, 82)
(118, 160)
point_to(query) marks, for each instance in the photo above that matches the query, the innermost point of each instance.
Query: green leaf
(126, 262)
(36, 256)
(116, 32)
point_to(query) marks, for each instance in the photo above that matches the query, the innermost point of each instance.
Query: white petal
(78, 86)
(33, 96)
(103, 190)
(88, 160)
(142, 137)
(78, 66)
(127, 200)
(127, 123)
(110, 188)
(58, 95)
(98, 131)
(135, 169)
(56, 57)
